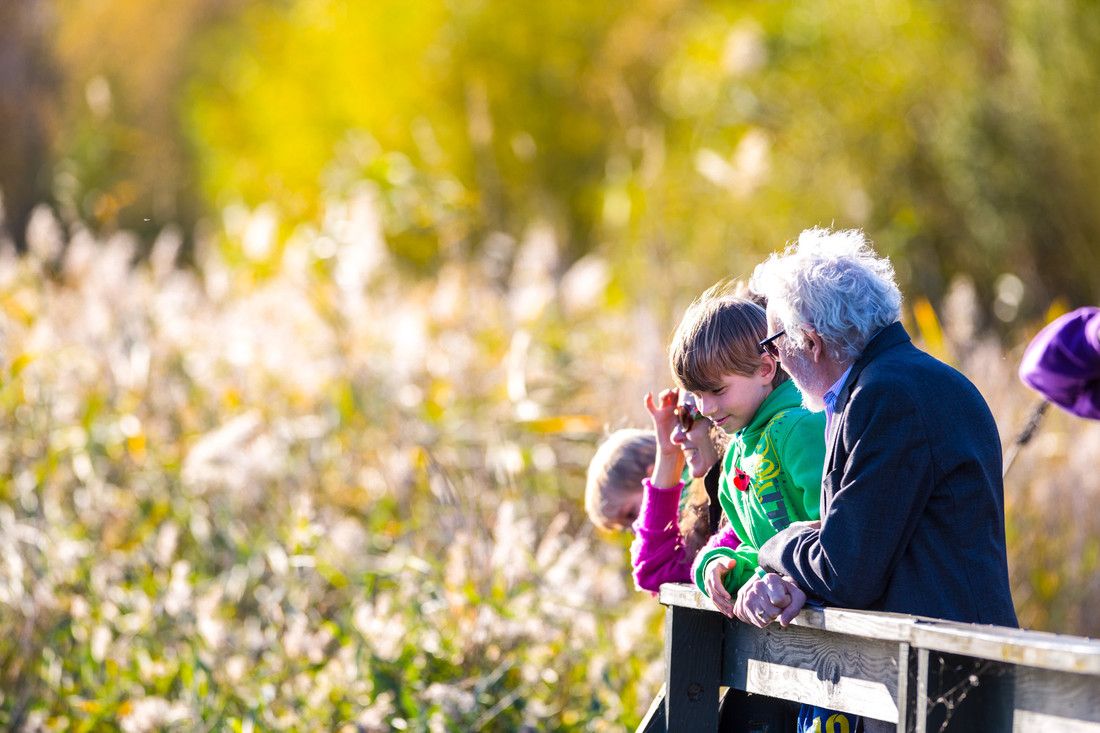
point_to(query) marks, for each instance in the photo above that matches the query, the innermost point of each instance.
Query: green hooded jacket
(771, 477)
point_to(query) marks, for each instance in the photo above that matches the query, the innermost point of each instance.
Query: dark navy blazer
(912, 502)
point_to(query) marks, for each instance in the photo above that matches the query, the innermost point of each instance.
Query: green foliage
(693, 137)
(120, 155)
(669, 133)
(468, 118)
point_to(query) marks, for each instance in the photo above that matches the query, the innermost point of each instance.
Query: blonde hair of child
(616, 472)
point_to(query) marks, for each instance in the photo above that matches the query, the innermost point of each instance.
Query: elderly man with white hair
(912, 503)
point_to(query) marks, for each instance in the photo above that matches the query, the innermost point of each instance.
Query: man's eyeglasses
(687, 413)
(768, 345)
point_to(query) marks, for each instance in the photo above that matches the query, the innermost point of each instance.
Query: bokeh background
(313, 311)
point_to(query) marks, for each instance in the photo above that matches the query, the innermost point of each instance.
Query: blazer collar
(886, 338)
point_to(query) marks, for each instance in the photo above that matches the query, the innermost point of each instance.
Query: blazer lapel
(889, 336)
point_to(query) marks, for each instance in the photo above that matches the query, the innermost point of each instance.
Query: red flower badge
(741, 480)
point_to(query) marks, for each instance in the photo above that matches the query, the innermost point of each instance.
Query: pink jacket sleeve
(657, 553)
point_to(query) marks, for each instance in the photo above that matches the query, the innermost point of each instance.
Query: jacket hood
(783, 397)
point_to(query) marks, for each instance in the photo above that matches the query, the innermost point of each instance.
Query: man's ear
(814, 344)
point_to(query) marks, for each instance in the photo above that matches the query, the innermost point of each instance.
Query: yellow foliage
(929, 325)
(556, 424)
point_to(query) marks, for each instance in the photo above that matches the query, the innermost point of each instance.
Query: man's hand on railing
(769, 598)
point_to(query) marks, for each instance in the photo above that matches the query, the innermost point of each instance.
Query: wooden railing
(925, 675)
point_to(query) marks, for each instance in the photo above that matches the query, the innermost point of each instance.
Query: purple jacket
(1063, 362)
(658, 554)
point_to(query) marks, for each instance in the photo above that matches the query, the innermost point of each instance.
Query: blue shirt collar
(830, 397)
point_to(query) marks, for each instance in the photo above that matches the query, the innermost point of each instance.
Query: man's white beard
(809, 383)
(809, 401)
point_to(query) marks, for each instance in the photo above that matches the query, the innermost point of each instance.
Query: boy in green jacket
(772, 468)
(771, 473)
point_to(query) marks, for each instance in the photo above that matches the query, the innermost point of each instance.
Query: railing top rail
(1059, 652)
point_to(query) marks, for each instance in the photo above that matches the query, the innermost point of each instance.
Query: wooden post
(907, 688)
(693, 648)
(918, 714)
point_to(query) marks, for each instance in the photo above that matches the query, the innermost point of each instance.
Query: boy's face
(733, 405)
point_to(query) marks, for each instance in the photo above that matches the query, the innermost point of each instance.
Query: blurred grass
(297, 492)
(294, 490)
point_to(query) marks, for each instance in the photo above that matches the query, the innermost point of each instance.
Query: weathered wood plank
(693, 652)
(920, 704)
(873, 625)
(685, 595)
(1027, 721)
(1032, 648)
(907, 688)
(1046, 700)
(867, 624)
(836, 671)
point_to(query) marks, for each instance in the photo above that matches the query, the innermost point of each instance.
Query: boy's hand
(670, 459)
(712, 581)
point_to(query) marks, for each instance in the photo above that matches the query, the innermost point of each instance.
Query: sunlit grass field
(294, 489)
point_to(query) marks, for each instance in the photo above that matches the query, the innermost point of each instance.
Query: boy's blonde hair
(616, 472)
(719, 335)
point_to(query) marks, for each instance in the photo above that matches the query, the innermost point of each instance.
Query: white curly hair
(833, 282)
